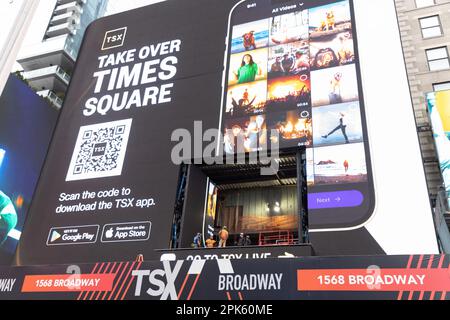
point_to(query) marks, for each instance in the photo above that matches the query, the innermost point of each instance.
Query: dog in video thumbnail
(329, 19)
(334, 85)
(332, 51)
(250, 36)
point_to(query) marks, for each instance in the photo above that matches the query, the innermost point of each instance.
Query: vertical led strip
(2, 156)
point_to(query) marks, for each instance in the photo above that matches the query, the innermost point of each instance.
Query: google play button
(55, 236)
(63, 236)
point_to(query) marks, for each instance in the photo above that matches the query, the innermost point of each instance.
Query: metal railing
(48, 71)
(51, 97)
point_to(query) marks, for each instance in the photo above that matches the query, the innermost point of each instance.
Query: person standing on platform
(248, 241)
(223, 236)
(241, 240)
(198, 241)
(211, 243)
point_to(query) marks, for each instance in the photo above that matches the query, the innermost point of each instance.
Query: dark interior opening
(237, 196)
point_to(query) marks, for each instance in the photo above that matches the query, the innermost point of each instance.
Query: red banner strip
(68, 283)
(388, 280)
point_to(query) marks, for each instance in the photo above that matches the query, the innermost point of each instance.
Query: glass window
(431, 26)
(424, 3)
(441, 86)
(438, 58)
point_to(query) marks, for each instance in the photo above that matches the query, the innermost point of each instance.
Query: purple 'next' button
(339, 199)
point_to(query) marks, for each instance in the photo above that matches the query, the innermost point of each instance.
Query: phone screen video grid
(292, 72)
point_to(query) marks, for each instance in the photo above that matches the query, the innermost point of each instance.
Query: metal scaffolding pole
(302, 196)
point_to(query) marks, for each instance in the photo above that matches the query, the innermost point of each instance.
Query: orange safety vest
(223, 234)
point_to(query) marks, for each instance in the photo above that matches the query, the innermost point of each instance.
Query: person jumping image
(342, 127)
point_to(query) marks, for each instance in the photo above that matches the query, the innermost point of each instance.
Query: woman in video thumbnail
(342, 126)
(8, 217)
(248, 70)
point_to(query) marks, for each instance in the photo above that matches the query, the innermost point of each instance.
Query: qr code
(100, 151)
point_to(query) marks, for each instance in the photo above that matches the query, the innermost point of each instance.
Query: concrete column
(15, 35)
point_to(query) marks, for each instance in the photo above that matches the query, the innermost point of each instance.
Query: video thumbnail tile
(247, 134)
(288, 93)
(337, 124)
(340, 164)
(248, 67)
(289, 27)
(334, 85)
(250, 36)
(246, 99)
(289, 59)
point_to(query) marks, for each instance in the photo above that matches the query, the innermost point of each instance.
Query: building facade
(51, 46)
(425, 32)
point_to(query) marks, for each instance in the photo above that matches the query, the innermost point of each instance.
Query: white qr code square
(100, 151)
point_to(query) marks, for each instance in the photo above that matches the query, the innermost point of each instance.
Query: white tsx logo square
(114, 38)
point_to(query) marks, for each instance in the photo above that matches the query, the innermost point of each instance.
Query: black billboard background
(148, 170)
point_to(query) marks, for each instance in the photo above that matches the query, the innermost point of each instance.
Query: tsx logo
(114, 38)
(161, 283)
(162, 289)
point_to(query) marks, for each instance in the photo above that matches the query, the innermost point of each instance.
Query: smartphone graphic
(293, 67)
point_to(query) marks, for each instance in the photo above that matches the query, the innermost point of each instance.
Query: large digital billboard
(321, 91)
(439, 111)
(306, 70)
(26, 127)
(297, 71)
(108, 188)
(400, 211)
